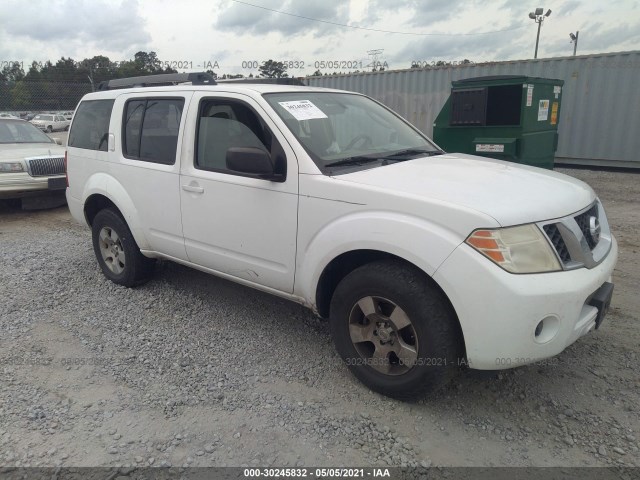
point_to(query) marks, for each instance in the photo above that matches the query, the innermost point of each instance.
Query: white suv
(422, 260)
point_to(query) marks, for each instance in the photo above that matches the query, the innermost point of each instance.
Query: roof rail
(197, 78)
(277, 81)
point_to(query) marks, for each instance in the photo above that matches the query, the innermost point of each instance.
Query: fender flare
(105, 185)
(417, 241)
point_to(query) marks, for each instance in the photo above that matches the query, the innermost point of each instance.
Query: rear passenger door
(147, 164)
(240, 226)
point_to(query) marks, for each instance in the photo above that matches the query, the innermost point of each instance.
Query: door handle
(192, 188)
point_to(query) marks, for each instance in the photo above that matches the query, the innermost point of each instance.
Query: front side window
(224, 124)
(90, 128)
(150, 129)
(342, 129)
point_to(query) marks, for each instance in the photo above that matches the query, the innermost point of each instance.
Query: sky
(232, 37)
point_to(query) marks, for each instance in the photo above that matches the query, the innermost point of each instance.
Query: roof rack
(276, 81)
(197, 78)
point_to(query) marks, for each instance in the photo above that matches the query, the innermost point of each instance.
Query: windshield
(12, 131)
(341, 129)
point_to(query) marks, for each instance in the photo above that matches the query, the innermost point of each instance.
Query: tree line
(60, 85)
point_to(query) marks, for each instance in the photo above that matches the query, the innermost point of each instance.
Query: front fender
(422, 243)
(104, 184)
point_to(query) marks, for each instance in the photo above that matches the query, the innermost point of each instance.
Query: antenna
(374, 55)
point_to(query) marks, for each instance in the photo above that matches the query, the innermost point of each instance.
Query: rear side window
(150, 129)
(91, 125)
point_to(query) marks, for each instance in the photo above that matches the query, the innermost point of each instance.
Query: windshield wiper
(362, 159)
(358, 160)
(412, 152)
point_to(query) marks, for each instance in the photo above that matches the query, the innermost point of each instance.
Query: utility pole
(90, 77)
(374, 54)
(538, 17)
(574, 40)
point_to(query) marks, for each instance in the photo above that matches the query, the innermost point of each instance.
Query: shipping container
(600, 116)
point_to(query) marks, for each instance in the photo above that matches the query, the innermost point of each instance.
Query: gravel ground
(191, 370)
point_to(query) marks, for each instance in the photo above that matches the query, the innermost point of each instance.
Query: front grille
(41, 167)
(583, 223)
(558, 242)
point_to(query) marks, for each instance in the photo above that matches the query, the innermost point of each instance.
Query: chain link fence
(23, 98)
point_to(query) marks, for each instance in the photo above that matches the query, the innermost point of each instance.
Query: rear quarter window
(90, 128)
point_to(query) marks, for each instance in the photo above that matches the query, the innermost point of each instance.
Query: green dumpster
(512, 118)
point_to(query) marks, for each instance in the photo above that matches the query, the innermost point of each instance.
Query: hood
(18, 151)
(511, 193)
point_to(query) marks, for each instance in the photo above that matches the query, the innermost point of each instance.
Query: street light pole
(538, 17)
(574, 40)
(535, 55)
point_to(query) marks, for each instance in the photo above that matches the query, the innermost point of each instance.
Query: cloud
(594, 37)
(109, 26)
(240, 18)
(230, 32)
(418, 13)
(501, 45)
(448, 48)
(568, 8)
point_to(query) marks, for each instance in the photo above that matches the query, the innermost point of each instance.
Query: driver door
(237, 225)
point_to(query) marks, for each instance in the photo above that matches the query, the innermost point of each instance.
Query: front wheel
(49, 129)
(117, 252)
(395, 329)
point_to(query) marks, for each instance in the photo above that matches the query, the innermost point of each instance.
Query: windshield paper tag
(303, 110)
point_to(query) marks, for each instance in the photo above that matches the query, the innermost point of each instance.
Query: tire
(418, 343)
(49, 129)
(116, 250)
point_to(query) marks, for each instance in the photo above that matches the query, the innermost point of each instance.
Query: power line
(375, 29)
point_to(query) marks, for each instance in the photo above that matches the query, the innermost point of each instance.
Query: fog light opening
(546, 329)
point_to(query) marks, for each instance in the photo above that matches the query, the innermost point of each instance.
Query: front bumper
(18, 185)
(499, 311)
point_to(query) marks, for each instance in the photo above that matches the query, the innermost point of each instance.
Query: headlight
(522, 249)
(11, 167)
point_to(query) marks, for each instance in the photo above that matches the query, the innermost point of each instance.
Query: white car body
(50, 122)
(280, 237)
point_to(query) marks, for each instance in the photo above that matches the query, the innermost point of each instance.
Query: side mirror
(252, 162)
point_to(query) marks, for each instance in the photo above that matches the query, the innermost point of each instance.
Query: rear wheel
(395, 329)
(117, 252)
(49, 129)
